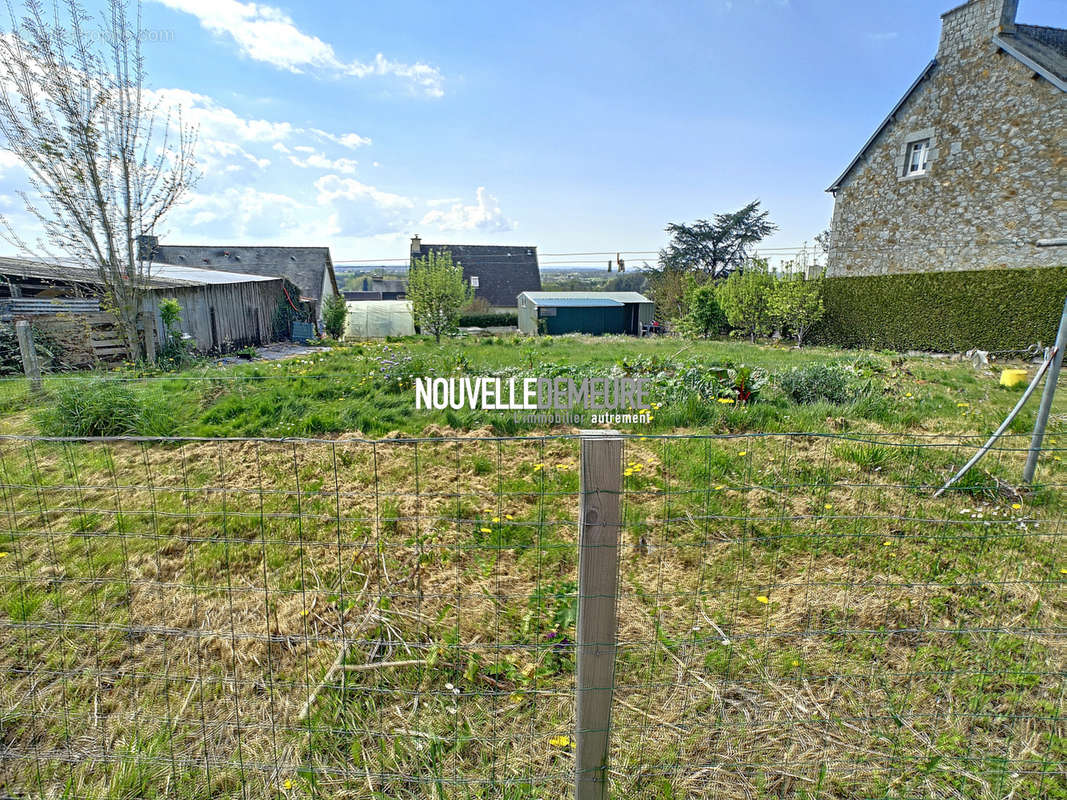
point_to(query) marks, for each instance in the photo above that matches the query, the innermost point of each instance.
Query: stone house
(497, 273)
(969, 170)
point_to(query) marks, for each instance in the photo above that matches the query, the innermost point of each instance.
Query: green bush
(489, 320)
(334, 311)
(1001, 309)
(101, 407)
(818, 383)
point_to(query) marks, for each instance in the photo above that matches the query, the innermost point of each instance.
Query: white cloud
(243, 213)
(265, 33)
(316, 160)
(357, 209)
(485, 216)
(349, 140)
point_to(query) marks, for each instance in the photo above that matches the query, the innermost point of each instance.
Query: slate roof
(503, 271)
(585, 299)
(305, 267)
(1042, 49)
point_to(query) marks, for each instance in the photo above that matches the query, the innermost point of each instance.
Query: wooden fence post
(29, 354)
(600, 522)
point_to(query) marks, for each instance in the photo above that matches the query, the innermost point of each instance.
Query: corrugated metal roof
(196, 275)
(588, 299)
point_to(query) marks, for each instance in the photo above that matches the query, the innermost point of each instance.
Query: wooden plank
(29, 354)
(599, 523)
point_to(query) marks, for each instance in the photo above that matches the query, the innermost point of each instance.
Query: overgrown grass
(367, 389)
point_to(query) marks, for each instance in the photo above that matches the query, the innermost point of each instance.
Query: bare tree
(105, 164)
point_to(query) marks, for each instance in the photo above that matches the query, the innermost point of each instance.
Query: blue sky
(574, 126)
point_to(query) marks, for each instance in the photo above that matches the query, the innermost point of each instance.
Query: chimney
(974, 23)
(416, 245)
(147, 247)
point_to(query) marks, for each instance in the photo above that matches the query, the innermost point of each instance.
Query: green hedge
(1000, 309)
(488, 320)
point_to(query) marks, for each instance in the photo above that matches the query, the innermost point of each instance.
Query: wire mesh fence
(796, 617)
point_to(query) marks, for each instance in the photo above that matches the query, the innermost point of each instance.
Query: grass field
(798, 617)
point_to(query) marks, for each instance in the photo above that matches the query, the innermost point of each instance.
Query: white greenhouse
(376, 319)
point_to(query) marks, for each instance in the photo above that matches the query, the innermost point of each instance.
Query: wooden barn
(220, 311)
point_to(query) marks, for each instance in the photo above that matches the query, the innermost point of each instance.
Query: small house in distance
(584, 312)
(496, 273)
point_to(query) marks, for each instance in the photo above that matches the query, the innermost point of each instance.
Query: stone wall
(998, 166)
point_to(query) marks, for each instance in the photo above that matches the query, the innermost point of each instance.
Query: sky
(573, 126)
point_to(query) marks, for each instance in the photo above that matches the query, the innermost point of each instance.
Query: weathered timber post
(599, 525)
(29, 354)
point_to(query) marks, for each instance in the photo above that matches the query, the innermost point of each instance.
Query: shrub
(489, 320)
(816, 383)
(100, 407)
(744, 299)
(795, 303)
(1000, 309)
(705, 316)
(175, 350)
(334, 311)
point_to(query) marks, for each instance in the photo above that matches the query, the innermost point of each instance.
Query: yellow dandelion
(643, 439)
(650, 417)
(486, 530)
(962, 405)
(743, 453)
(538, 467)
(508, 516)
(828, 506)
(726, 400)
(561, 741)
(1063, 572)
(3, 555)
(907, 394)
(496, 519)
(719, 488)
(288, 784)
(628, 473)
(886, 543)
(1016, 506)
(763, 599)
(304, 613)
(796, 663)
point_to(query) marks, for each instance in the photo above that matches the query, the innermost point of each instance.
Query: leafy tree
(74, 111)
(668, 286)
(705, 316)
(796, 304)
(744, 297)
(437, 293)
(334, 311)
(715, 248)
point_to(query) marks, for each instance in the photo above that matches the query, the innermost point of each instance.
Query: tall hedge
(1000, 309)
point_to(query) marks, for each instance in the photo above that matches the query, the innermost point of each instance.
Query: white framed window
(474, 281)
(918, 157)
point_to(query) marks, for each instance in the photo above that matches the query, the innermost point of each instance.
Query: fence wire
(798, 618)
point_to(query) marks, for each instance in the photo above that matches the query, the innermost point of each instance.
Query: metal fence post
(29, 354)
(600, 521)
(1046, 400)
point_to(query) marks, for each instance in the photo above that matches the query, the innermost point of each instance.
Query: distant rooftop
(584, 299)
